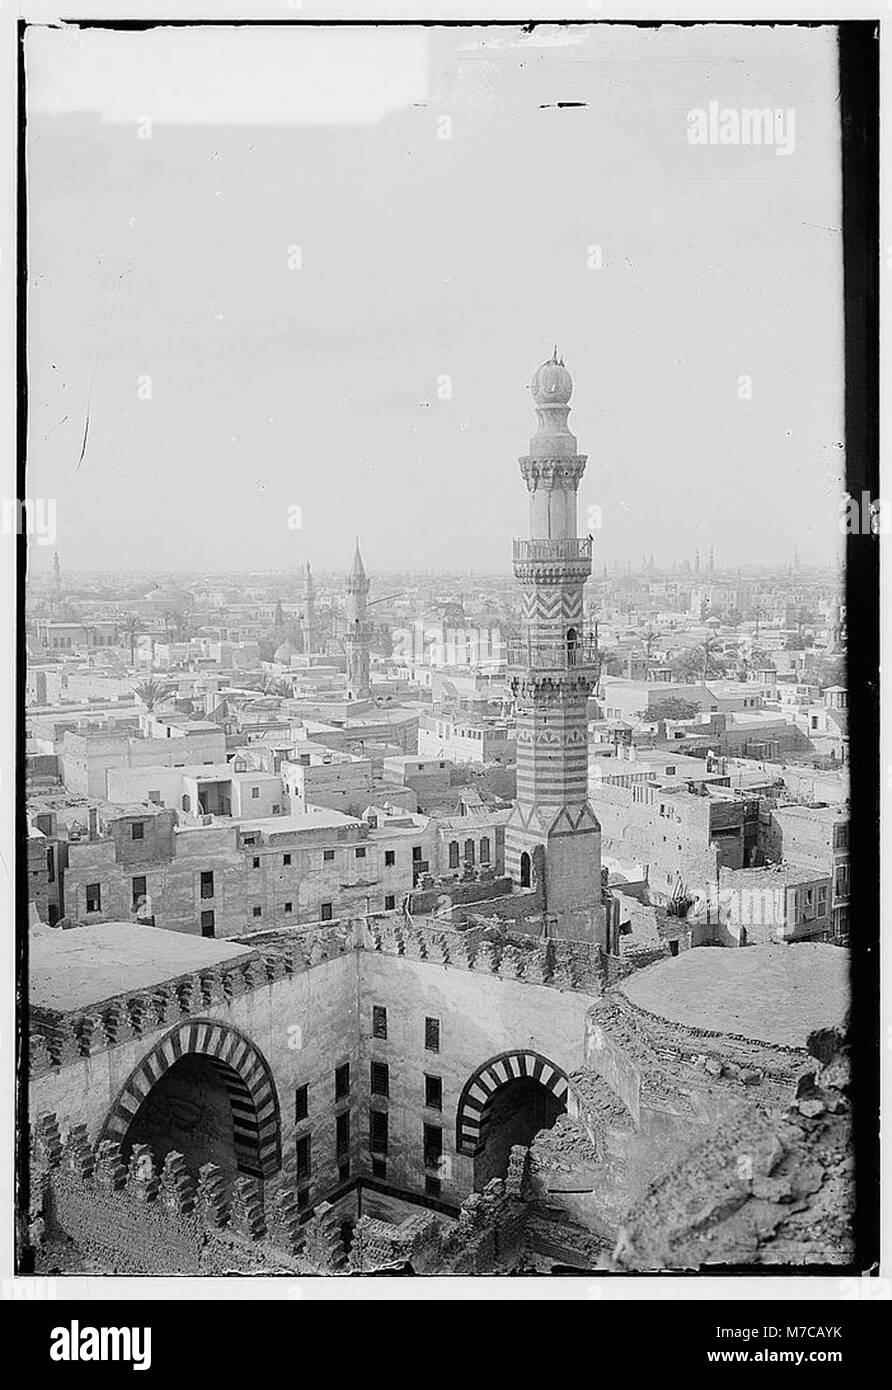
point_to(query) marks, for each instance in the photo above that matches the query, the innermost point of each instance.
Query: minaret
(553, 836)
(57, 577)
(358, 632)
(308, 617)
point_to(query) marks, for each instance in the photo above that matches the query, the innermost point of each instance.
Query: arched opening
(189, 1110)
(506, 1102)
(525, 870)
(517, 1112)
(206, 1091)
(572, 646)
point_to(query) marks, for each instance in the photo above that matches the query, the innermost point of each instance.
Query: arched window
(525, 870)
(185, 803)
(469, 851)
(484, 850)
(572, 646)
(453, 854)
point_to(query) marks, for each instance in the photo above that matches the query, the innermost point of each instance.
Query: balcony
(549, 552)
(542, 653)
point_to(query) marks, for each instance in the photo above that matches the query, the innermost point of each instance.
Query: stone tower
(358, 634)
(553, 832)
(308, 616)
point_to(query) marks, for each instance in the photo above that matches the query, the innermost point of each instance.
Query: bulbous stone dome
(552, 384)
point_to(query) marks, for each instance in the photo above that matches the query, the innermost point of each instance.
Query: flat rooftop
(772, 994)
(86, 966)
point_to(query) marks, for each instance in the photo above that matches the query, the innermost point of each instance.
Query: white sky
(421, 257)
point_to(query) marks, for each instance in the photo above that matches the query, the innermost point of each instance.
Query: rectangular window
(286, 860)
(380, 1079)
(432, 1034)
(328, 855)
(378, 1131)
(389, 902)
(416, 854)
(379, 1168)
(208, 923)
(433, 1092)
(207, 884)
(302, 1150)
(325, 912)
(94, 897)
(255, 862)
(389, 858)
(431, 1186)
(342, 1134)
(255, 793)
(137, 830)
(288, 907)
(303, 1198)
(360, 853)
(342, 1081)
(433, 1146)
(257, 911)
(379, 1021)
(137, 892)
(301, 1104)
(343, 1169)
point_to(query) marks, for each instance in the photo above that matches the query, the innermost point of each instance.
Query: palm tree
(131, 626)
(152, 692)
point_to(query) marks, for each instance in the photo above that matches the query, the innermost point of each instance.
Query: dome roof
(552, 384)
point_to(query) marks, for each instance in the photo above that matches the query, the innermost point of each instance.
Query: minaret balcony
(547, 654)
(568, 548)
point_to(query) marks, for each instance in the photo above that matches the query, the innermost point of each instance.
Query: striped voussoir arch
(248, 1081)
(473, 1106)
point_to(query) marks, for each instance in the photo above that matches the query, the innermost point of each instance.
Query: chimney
(93, 823)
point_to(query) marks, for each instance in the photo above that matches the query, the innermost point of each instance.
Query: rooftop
(76, 969)
(772, 994)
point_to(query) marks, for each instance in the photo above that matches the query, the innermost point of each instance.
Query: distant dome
(552, 383)
(284, 652)
(169, 597)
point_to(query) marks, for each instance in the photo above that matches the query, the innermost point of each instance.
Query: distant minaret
(697, 561)
(711, 565)
(553, 837)
(57, 576)
(308, 617)
(358, 633)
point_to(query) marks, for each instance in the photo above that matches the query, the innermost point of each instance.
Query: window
(389, 902)
(328, 855)
(303, 1198)
(484, 850)
(342, 1134)
(378, 1131)
(286, 860)
(416, 854)
(379, 1168)
(302, 1150)
(301, 1103)
(389, 858)
(342, 1081)
(432, 1034)
(255, 862)
(453, 854)
(343, 1169)
(433, 1092)
(207, 884)
(360, 853)
(250, 839)
(325, 912)
(137, 830)
(94, 897)
(257, 911)
(469, 851)
(379, 1021)
(255, 793)
(433, 1146)
(137, 892)
(207, 923)
(380, 1079)
(431, 1186)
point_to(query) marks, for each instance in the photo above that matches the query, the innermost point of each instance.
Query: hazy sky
(422, 258)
